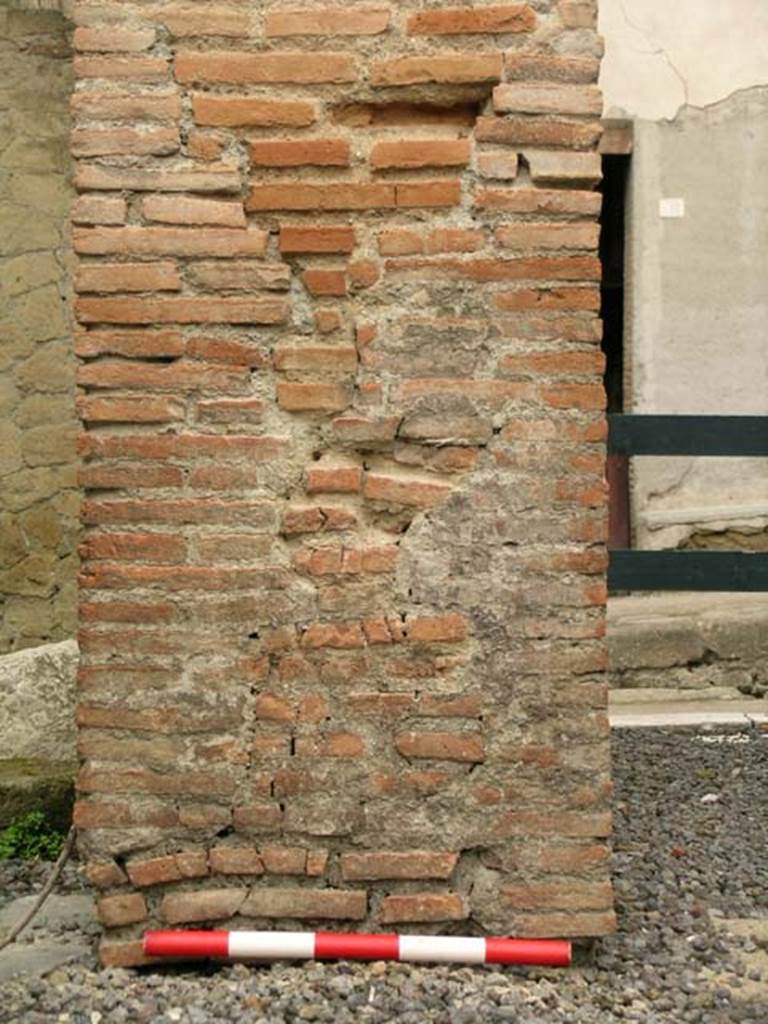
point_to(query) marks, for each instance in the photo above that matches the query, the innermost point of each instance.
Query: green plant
(30, 838)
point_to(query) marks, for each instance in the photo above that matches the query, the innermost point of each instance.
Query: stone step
(664, 708)
(689, 642)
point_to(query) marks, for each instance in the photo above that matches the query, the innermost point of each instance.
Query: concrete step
(689, 642)
(665, 708)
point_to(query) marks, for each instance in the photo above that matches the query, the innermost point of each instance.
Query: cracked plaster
(660, 57)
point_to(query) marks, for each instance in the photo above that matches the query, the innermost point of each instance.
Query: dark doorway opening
(612, 254)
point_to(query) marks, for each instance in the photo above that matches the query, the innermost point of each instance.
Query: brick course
(342, 606)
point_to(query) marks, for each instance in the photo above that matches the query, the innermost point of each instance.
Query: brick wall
(342, 606)
(39, 500)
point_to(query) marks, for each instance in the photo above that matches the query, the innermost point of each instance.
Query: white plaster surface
(693, 77)
(698, 308)
(660, 56)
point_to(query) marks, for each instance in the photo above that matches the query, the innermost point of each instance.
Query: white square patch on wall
(670, 209)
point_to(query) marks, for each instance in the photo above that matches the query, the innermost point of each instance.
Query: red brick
(428, 193)
(139, 344)
(317, 861)
(316, 519)
(334, 479)
(106, 477)
(118, 814)
(558, 298)
(331, 359)
(235, 860)
(127, 277)
(566, 169)
(529, 130)
(400, 242)
(534, 268)
(162, 547)
(124, 69)
(441, 746)
(189, 210)
(404, 490)
(306, 904)
(105, 875)
(126, 106)
(187, 310)
(205, 816)
(257, 817)
(418, 153)
(99, 210)
(291, 68)
(364, 430)
(301, 153)
(257, 448)
(548, 236)
(547, 98)
(236, 275)
(468, 20)
(314, 196)
(497, 163)
(325, 282)
(578, 13)
(339, 635)
(184, 20)
(139, 780)
(441, 628)
(192, 863)
(339, 744)
(449, 706)
(554, 363)
(326, 239)
(127, 908)
(129, 410)
(284, 860)
(423, 907)
(381, 705)
(543, 67)
(558, 896)
(114, 39)
(364, 867)
(538, 200)
(155, 871)
(202, 905)
(206, 145)
(448, 69)
(328, 321)
(443, 240)
(578, 925)
(208, 178)
(184, 241)
(143, 141)
(251, 112)
(328, 21)
(363, 274)
(312, 397)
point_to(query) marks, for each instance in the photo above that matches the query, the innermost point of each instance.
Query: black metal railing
(688, 570)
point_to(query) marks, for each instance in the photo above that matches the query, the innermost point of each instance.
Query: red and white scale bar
(444, 949)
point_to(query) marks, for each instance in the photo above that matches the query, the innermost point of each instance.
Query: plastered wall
(693, 78)
(38, 496)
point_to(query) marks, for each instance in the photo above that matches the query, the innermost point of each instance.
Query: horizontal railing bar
(736, 571)
(688, 435)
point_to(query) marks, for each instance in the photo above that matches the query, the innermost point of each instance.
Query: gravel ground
(690, 850)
